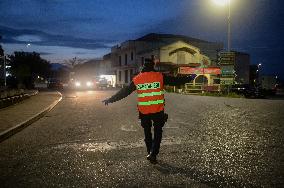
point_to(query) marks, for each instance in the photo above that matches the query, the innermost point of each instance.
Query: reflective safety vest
(150, 90)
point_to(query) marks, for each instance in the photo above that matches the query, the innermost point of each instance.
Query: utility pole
(229, 26)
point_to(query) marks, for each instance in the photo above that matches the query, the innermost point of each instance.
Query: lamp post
(258, 68)
(223, 3)
(229, 25)
(258, 73)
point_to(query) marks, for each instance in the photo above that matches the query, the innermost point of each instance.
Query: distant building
(268, 82)
(106, 65)
(242, 67)
(1, 68)
(124, 61)
(177, 55)
(2, 71)
(90, 68)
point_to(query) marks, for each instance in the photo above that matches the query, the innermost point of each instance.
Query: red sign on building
(190, 70)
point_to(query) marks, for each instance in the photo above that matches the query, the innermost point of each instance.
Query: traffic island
(10, 97)
(16, 117)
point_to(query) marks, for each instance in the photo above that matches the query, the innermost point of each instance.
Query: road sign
(228, 70)
(227, 58)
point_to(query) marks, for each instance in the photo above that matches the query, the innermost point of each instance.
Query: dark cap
(148, 65)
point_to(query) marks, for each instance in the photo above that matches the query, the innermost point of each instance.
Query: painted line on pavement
(10, 132)
(104, 145)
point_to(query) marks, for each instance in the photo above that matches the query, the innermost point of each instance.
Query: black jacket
(168, 80)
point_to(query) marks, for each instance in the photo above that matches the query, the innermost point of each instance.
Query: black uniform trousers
(147, 121)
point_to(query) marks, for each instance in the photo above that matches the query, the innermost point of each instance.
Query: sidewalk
(16, 117)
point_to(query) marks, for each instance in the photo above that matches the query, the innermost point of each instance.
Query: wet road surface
(207, 142)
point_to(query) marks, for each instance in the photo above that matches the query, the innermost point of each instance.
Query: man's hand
(106, 101)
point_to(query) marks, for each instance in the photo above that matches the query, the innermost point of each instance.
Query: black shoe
(152, 158)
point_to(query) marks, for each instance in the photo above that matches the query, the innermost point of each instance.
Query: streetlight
(223, 3)
(258, 67)
(258, 73)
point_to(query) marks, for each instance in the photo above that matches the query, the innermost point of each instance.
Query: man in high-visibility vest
(149, 85)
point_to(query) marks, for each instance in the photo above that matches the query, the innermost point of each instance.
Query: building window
(119, 60)
(126, 76)
(119, 76)
(142, 61)
(131, 55)
(180, 57)
(125, 60)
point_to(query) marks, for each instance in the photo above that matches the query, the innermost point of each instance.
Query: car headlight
(89, 83)
(77, 84)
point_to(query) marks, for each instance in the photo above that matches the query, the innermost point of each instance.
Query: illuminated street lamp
(258, 72)
(223, 3)
(258, 67)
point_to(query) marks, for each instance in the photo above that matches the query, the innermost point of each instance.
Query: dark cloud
(10, 36)
(80, 53)
(45, 53)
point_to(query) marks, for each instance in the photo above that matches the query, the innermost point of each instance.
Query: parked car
(54, 84)
(248, 91)
(102, 83)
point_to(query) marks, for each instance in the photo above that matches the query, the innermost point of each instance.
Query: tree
(27, 66)
(1, 51)
(1, 65)
(74, 62)
(74, 65)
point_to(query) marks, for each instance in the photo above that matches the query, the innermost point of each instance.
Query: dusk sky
(63, 29)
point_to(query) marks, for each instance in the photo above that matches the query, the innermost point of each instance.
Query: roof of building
(107, 56)
(164, 37)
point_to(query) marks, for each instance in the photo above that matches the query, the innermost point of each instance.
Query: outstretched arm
(176, 81)
(124, 92)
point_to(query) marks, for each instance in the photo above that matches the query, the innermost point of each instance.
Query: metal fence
(196, 88)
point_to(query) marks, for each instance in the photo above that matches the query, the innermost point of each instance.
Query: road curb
(10, 132)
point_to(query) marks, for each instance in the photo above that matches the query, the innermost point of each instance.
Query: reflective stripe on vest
(151, 102)
(150, 94)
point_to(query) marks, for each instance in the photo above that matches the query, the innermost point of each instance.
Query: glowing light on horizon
(221, 2)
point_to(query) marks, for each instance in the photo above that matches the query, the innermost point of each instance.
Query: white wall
(188, 57)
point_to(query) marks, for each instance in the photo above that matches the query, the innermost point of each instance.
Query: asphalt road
(207, 142)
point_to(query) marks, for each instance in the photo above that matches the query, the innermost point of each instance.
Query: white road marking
(111, 145)
(127, 128)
